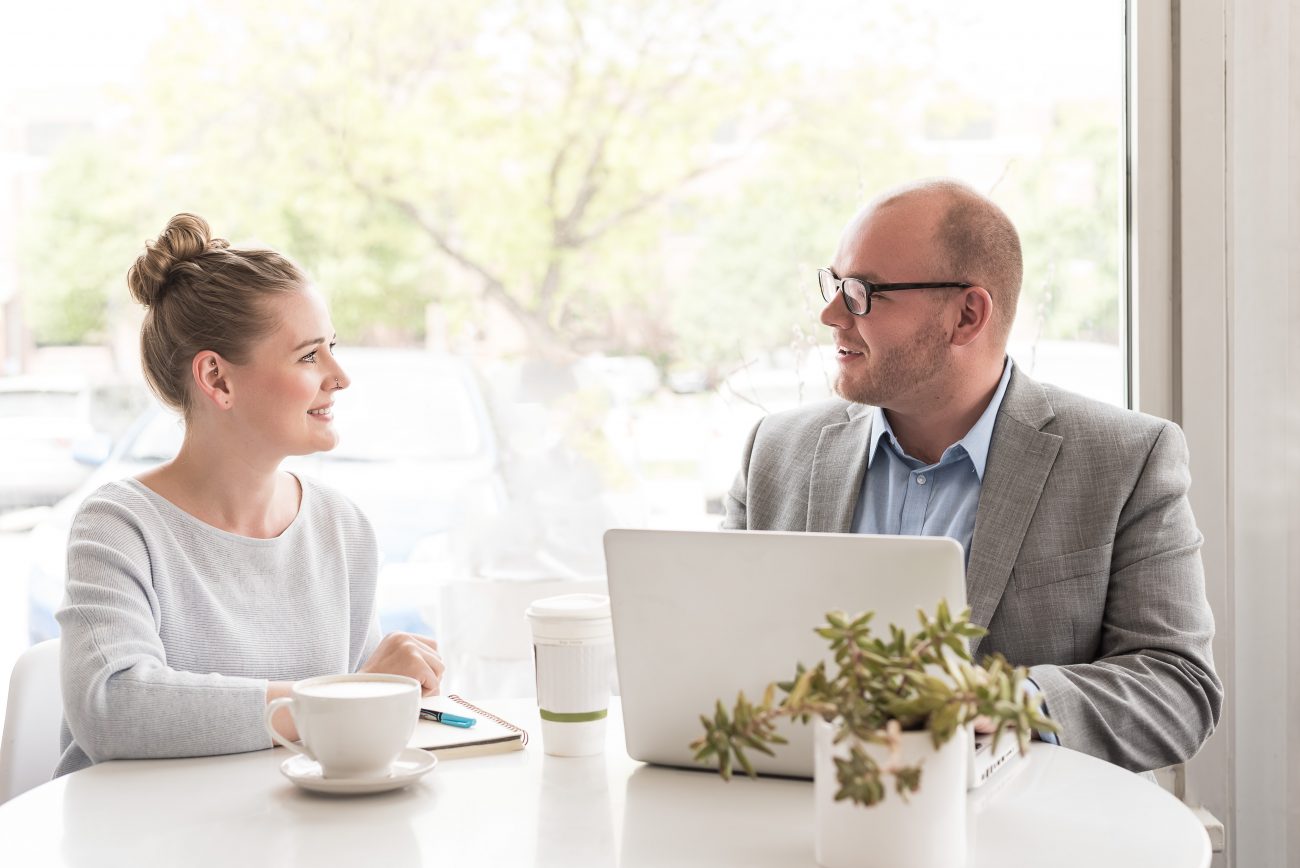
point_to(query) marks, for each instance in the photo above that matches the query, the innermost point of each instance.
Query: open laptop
(700, 615)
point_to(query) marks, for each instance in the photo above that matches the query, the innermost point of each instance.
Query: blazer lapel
(1020, 458)
(837, 470)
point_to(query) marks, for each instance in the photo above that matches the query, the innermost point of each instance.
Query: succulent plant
(881, 688)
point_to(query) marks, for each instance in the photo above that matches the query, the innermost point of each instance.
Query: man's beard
(885, 375)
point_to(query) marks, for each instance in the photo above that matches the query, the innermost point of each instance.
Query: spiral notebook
(489, 735)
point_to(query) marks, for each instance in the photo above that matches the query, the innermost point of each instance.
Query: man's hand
(410, 655)
(984, 726)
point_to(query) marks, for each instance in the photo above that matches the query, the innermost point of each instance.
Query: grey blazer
(1085, 562)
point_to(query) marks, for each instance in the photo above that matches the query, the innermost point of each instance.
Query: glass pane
(158, 440)
(28, 404)
(407, 406)
(584, 236)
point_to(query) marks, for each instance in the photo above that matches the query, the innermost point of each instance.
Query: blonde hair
(202, 294)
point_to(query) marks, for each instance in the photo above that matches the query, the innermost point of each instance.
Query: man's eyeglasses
(857, 293)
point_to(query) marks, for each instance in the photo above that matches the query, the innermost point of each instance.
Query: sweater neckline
(199, 524)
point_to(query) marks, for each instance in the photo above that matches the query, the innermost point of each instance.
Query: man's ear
(211, 378)
(976, 314)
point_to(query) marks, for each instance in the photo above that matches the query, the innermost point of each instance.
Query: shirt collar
(975, 443)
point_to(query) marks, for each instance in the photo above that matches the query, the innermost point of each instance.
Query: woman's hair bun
(186, 237)
(202, 294)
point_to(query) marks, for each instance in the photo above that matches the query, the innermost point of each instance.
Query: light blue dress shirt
(903, 495)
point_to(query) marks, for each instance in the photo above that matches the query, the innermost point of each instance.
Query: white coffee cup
(573, 648)
(354, 726)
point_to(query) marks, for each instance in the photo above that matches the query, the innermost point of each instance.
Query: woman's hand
(410, 655)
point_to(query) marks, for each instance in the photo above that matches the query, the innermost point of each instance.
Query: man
(1083, 559)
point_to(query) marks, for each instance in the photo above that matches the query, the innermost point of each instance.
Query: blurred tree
(658, 177)
(1066, 201)
(513, 151)
(78, 241)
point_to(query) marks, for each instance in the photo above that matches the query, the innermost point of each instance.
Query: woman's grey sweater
(172, 628)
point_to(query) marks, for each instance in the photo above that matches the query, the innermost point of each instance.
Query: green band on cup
(574, 717)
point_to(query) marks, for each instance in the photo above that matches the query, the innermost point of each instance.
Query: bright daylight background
(569, 246)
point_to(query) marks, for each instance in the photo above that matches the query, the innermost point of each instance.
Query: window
(611, 214)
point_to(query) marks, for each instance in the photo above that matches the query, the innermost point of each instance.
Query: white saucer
(411, 764)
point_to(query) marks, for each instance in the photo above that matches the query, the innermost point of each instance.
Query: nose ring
(337, 384)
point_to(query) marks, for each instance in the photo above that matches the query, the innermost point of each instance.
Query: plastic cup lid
(570, 607)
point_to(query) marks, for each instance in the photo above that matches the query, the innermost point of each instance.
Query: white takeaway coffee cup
(573, 649)
(354, 726)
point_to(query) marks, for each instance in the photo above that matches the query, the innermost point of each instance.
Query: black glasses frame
(831, 285)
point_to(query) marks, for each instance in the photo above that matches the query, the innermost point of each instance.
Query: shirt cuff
(1045, 736)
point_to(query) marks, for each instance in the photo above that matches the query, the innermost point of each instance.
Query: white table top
(526, 808)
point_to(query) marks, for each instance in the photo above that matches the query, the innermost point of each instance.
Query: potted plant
(885, 718)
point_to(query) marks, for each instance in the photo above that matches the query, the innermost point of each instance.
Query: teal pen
(449, 719)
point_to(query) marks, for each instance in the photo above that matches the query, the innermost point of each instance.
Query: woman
(202, 589)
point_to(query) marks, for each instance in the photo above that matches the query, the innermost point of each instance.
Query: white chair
(29, 748)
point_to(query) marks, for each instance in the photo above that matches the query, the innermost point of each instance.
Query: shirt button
(920, 480)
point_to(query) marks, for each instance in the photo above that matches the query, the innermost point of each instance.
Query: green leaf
(801, 687)
(744, 761)
(862, 620)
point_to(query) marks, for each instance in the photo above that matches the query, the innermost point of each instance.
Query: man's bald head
(972, 240)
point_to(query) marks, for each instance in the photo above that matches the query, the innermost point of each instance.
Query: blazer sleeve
(1152, 698)
(737, 499)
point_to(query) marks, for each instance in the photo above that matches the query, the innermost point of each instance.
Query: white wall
(1203, 339)
(1236, 390)
(1263, 259)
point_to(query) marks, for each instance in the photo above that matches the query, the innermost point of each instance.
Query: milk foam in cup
(354, 726)
(573, 648)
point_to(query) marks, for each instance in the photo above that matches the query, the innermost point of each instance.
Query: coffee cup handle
(271, 708)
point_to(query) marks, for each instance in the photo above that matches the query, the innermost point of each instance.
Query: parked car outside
(417, 452)
(49, 425)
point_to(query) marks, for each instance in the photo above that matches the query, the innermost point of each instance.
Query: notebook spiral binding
(523, 734)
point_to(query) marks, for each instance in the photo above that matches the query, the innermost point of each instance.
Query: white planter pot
(927, 831)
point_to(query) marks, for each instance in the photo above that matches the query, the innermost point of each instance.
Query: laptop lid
(700, 615)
